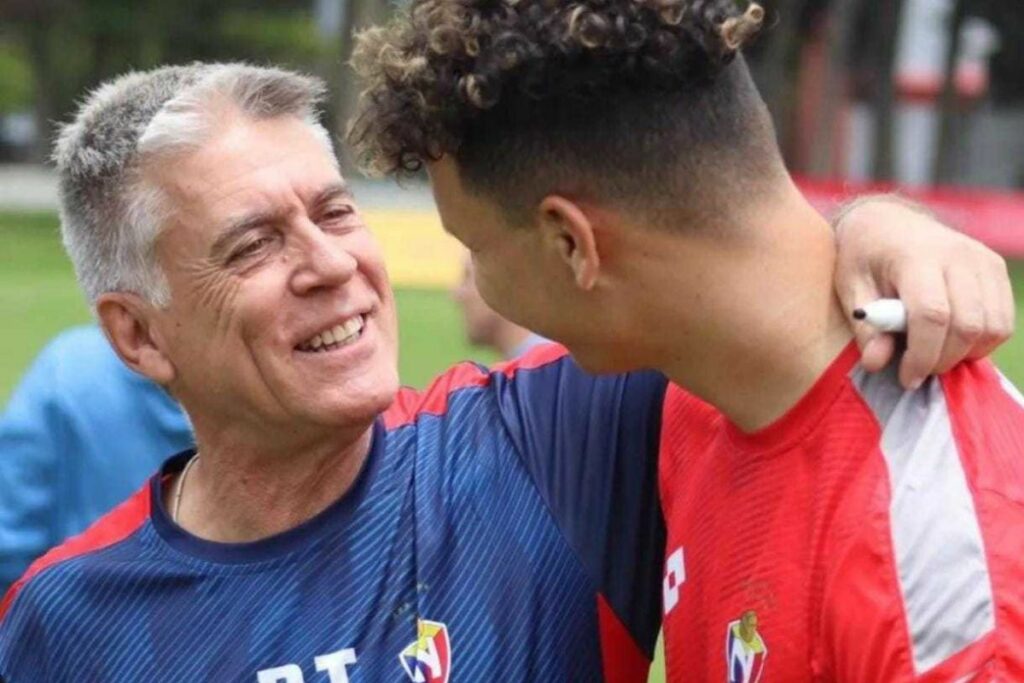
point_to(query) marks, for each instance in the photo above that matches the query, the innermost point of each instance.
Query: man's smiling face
(281, 311)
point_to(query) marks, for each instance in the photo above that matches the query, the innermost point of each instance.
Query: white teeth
(344, 333)
(353, 325)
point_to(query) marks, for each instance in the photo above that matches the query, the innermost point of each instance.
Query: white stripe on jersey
(940, 555)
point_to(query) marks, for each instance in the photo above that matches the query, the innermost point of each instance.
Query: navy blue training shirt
(505, 527)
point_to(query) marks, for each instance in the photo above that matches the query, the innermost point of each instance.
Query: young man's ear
(127, 321)
(569, 229)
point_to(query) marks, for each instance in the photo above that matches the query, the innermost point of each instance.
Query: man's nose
(323, 261)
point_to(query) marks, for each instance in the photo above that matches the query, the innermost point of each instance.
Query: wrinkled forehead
(245, 166)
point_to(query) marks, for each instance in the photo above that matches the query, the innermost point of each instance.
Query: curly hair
(499, 84)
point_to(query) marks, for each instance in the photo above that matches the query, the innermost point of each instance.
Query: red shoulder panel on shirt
(115, 526)
(409, 403)
(622, 658)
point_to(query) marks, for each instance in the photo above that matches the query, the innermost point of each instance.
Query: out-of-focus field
(38, 298)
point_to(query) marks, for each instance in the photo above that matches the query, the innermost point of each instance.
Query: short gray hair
(110, 218)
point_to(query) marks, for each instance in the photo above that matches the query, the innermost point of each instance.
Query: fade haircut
(110, 216)
(643, 102)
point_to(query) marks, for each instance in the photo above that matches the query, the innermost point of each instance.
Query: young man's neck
(238, 493)
(749, 322)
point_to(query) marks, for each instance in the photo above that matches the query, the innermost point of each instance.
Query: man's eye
(337, 214)
(251, 248)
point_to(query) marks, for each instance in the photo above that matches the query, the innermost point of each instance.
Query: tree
(73, 46)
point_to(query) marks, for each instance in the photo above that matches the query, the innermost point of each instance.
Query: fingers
(967, 315)
(924, 293)
(957, 291)
(1000, 311)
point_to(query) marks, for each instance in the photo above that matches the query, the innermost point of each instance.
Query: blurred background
(922, 96)
(926, 96)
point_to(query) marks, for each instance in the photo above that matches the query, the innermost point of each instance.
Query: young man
(501, 525)
(614, 172)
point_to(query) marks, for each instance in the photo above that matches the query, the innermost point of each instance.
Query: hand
(957, 291)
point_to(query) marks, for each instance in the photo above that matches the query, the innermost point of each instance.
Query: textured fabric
(937, 547)
(80, 434)
(869, 535)
(505, 527)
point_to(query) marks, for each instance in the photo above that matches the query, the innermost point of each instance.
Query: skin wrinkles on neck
(238, 492)
(258, 478)
(756, 320)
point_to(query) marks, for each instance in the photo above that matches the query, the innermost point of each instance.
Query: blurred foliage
(283, 38)
(52, 51)
(15, 78)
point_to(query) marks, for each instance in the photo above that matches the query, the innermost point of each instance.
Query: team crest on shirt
(745, 650)
(428, 659)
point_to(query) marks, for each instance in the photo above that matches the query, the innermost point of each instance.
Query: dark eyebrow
(239, 227)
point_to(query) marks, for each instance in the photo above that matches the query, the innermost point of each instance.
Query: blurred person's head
(210, 227)
(483, 326)
(564, 139)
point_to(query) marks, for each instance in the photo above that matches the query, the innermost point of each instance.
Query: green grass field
(38, 298)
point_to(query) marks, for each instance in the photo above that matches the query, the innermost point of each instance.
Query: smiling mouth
(343, 334)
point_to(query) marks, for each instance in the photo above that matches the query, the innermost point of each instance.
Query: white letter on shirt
(288, 673)
(334, 664)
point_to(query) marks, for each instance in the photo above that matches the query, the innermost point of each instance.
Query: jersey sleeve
(24, 645)
(987, 418)
(30, 444)
(591, 446)
(931, 588)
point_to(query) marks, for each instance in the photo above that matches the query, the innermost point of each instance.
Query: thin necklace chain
(181, 487)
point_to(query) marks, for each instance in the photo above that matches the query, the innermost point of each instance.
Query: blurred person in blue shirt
(81, 433)
(485, 327)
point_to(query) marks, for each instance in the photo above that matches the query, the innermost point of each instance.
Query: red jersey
(869, 535)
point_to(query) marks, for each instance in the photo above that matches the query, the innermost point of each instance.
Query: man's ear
(570, 231)
(128, 322)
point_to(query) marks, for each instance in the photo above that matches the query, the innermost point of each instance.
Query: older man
(502, 525)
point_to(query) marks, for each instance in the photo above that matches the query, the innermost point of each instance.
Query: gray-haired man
(503, 525)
